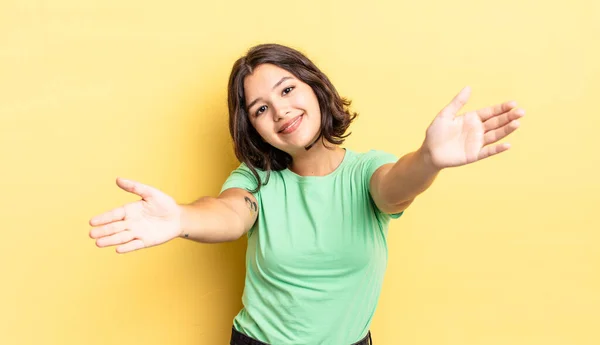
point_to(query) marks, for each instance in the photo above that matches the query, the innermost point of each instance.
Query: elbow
(396, 208)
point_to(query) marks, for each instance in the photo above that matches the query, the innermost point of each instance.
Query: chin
(299, 146)
(296, 141)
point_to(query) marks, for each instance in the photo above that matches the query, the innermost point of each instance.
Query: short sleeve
(373, 160)
(242, 178)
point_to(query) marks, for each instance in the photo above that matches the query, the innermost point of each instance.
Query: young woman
(316, 214)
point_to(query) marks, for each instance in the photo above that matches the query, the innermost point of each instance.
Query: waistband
(238, 338)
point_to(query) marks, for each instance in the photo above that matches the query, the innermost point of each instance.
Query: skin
(451, 140)
(274, 97)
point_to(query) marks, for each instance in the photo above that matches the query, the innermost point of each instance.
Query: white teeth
(291, 124)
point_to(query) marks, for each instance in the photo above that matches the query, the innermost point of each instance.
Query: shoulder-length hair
(248, 145)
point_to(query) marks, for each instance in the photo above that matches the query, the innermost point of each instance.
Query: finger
(457, 103)
(498, 134)
(489, 151)
(498, 109)
(130, 246)
(501, 120)
(108, 229)
(135, 187)
(115, 239)
(109, 217)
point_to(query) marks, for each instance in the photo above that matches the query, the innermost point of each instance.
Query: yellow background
(505, 251)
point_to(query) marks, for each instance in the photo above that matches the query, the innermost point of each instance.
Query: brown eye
(287, 90)
(261, 110)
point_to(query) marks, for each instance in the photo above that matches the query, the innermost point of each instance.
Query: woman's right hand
(153, 220)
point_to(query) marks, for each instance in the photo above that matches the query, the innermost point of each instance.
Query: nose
(281, 110)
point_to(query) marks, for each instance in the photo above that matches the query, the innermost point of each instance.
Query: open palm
(453, 140)
(153, 220)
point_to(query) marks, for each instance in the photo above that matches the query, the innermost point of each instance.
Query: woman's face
(284, 110)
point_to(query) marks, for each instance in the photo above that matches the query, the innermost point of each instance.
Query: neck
(319, 160)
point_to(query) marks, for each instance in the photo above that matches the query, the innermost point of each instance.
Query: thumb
(457, 103)
(135, 187)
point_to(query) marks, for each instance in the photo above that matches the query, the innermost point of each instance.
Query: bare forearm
(209, 220)
(410, 176)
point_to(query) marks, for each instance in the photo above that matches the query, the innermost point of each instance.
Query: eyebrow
(274, 87)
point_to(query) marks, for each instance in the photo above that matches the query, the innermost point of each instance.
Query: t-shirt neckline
(288, 173)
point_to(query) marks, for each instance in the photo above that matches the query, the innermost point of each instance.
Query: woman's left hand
(453, 140)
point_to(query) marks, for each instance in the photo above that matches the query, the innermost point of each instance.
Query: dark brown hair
(248, 145)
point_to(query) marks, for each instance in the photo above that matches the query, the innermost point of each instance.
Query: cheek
(309, 101)
(314, 104)
(315, 109)
(264, 128)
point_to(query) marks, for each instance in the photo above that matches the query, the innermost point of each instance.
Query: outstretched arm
(221, 219)
(156, 218)
(450, 141)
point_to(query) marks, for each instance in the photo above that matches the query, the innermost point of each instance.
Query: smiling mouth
(291, 124)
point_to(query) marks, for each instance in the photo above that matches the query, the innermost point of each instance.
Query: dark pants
(238, 338)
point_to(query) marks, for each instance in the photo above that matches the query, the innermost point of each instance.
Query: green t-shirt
(316, 255)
